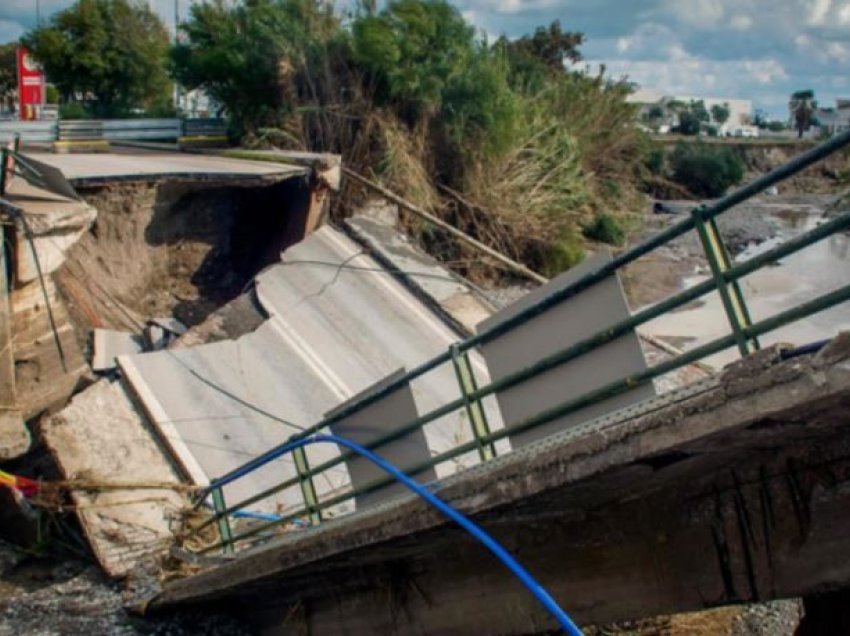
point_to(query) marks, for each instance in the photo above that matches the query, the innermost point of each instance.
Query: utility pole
(176, 25)
(38, 13)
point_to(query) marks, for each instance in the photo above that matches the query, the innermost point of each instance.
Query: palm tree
(802, 106)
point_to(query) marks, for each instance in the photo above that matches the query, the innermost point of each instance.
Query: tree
(245, 54)
(535, 59)
(111, 52)
(413, 50)
(8, 73)
(802, 106)
(720, 113)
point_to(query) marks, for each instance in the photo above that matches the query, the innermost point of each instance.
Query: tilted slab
(734, 489)
(331, 333)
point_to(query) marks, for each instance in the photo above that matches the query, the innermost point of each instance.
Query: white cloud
(741, 22)
(817, 12)
(697, 13)
(838, 51)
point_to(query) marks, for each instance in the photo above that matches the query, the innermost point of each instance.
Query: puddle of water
(816, 270)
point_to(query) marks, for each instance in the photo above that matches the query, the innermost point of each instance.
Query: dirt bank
(175, 249)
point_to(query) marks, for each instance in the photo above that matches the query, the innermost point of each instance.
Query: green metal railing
(725, 277)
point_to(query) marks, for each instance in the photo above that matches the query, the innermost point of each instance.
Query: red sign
(30, 85)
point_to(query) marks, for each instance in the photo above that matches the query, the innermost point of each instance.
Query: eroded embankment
(175, 248)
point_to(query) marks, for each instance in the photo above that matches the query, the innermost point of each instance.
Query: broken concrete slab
(133, 496)
(109, 344)
(15, 439)
(424, 275)
(172, 325)
(56, 223)
(746, 497)
(331, 332)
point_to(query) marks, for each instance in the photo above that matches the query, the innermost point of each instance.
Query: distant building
(834, 120)
(653, 102)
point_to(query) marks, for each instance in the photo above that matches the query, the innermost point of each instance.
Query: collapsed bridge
(542, 422)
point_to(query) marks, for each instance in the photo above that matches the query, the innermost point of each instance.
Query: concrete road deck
(734, 489)
(144, 165)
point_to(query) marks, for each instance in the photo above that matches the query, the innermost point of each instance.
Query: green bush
(561, 256)
(605, 229)
(706, 170)
(74, 110)
(654, 161)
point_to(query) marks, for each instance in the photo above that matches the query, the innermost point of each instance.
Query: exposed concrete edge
(225, 178)
(744, 393)
(161, 423)
(408, 282)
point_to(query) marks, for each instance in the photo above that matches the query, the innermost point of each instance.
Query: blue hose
(467, 524)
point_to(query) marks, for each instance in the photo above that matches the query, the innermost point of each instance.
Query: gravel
(44, 598)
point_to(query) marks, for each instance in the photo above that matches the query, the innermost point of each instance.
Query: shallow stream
(816, 270)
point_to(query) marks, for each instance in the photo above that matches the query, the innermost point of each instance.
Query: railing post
(474, 410)
(308, 488)
(223, 522)
(731, 295)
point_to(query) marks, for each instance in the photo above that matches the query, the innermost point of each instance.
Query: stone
(15, 437)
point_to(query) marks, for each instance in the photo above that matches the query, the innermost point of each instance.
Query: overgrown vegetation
(414, 97)
(707, 170)
(534, 147)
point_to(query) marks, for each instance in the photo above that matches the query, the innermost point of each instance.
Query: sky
(745, 49)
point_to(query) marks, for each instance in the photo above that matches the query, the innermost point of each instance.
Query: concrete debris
(57, 223)
(15, 437)
(102, 438)
(171, 325)
(554, 330)
(337, 325)
(109, 344)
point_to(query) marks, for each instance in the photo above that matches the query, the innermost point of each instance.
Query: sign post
(30, 86)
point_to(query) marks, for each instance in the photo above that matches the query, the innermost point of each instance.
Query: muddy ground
(661, 273)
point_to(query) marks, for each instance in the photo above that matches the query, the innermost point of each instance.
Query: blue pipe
(464, 522)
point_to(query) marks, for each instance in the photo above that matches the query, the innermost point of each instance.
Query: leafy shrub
(706, 170)
(74, 110)
(654, 161)
(605, 229)
(561, 256)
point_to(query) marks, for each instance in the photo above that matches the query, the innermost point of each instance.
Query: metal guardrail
(81, 129)
(725, 277)
(204, 128)
(141, 129)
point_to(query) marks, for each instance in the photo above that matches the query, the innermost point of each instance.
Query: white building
(740, 110)
(834, 120)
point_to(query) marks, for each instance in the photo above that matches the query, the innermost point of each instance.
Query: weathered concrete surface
(56, 222)
(14, 435)
(133, 497)
(420, 272)
(113, 167)
(42, 381)
(735, 489)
